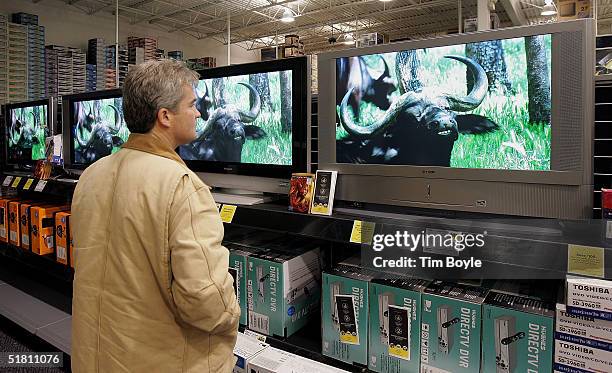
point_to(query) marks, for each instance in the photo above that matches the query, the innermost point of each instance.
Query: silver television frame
(563, 192)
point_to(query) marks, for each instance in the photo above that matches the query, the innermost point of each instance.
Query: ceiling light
(287, 16)
(348, 39)
(385, 1)
(549, 9)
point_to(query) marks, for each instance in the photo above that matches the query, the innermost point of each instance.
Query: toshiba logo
(593, 289)
(584, 350)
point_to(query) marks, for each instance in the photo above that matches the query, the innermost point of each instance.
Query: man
(152, 291)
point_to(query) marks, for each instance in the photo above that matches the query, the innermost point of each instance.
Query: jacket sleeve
(201, 286)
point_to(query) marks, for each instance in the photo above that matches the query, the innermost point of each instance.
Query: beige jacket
(152, 291)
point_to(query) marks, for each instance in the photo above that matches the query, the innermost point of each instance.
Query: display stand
(239, 197)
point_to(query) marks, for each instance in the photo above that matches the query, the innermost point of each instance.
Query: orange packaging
(62, 237)
(4, 218)
(24, 225)
(43, 224)
(13, 223)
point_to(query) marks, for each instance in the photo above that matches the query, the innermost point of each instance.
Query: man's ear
(163, 117)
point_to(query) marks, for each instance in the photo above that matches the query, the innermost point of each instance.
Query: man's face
(184, 117)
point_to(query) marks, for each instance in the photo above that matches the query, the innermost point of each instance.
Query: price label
(40, 186)
(28, 184)
(227, 213)
(7, 181)
(362, 232)
(16, 182)
(585, 260)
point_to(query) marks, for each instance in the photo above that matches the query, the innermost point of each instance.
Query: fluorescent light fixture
(549, 9)
(287, 16)
(385, 1)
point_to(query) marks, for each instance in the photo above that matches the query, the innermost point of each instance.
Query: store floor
(15, 339)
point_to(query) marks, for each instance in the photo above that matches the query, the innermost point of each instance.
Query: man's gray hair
(151, 86)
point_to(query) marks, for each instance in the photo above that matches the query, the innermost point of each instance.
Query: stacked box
(25, 19)
(451, 327)
(589, 297)
(176, 55)
(25, 224)
(148, 44)
(79, 71)
(4, 218)
(13, 222)
(273, 360)
(344, 313)
(201, 63)
(3, 59)
(110, 80)
(238, 260)
(36, 62)
(580, 342)
(283, 287)
(58, 70)
(90, 84)
(111, 61)
(136, 55)
(17, 63)
(517, 333)
(245, 350)
(96, 57)
(395, 325)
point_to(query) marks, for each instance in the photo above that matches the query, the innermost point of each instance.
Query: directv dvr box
(344, 313)
(395, 325)
(451, 327)
(517, 334)
(283, 287)
(238, 255)
(245, 350)
(589, 297)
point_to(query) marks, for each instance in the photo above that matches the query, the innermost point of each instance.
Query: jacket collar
(153, 144)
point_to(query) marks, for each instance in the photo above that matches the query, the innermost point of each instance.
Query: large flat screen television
(93, 127)
(26, 126)
(252, 133)
(496, 121)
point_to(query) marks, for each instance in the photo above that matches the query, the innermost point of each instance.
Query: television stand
(241, 199)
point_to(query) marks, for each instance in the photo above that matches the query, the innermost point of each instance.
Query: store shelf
(45, 187)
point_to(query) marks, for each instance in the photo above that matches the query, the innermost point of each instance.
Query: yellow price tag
(362, 231)
(399, 351)
(16, 182)
(28, 184)
(585, 260)
(227, 213)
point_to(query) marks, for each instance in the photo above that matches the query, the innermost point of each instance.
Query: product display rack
(602, 154)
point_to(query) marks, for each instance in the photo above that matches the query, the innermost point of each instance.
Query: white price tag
(49, 242)
(61, 253)
(609, 229)
(40, 186)
(13, 236)
(3, 232)
(25, 239)
(7, 181)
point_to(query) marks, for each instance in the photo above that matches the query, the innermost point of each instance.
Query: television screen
(98, 128)
(246, 119)
(480, 105)
(25, 133)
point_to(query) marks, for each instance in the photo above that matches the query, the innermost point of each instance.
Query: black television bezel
(299, 151)
(67, 115)
(26, 165)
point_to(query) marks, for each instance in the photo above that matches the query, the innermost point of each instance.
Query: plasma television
(496, 121)
(253, 129)
(93, 127)
(26, 126)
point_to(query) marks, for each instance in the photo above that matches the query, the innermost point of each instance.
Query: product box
(62, 237)
(238, 255)
(245, 350)
(344, 313)
(582, 326)
(451, 327)
(13, 223)
(43, 224)
(579, 358)
(283, 287)
(517, 334)
(25, 224)
(273, 360)
(395, 325)
(589, 297)
(4, 218)
(301, 188)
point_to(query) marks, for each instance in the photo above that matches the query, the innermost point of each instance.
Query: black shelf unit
(602, 147)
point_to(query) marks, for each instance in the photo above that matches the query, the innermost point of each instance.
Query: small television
(496, 121)
(252, 133)
(93, 127)
(26, 126)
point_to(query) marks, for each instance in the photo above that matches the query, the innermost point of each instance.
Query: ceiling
(255, 23)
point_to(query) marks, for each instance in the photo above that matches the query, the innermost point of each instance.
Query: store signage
(227, 213)
(585, 260)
